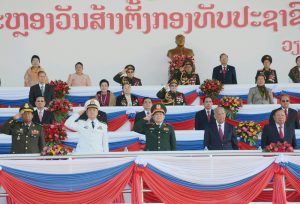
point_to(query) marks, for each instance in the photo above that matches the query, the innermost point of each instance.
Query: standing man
(224, 72)
(205, 116)
(147, 104)
(291, 114)
(126, 76)
(159, 135)
(220, 135)
(41, 115)
(171, 97)
(278, 131)
(41, 89)
(27, 136)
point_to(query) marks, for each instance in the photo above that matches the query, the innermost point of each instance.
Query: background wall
(104, 53)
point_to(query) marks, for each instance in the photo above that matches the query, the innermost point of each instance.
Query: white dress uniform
(91, 140)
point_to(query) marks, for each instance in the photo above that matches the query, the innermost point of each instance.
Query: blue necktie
(93, 125)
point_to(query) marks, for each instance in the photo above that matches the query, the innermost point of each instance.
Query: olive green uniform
(24, 140)
(158, 138)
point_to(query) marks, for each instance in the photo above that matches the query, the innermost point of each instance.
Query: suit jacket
(213, 142)
(201, 120)
(139, 116)
(270, 135)
(230, 77)
(122, 101)
(46, 119)
(35, 91)
(254, 96)
(102, 117)
(292, 120)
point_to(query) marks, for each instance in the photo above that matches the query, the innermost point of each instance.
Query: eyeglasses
(285, 101)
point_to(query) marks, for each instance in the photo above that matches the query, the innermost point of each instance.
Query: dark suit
(201, 120)
(213, 142)
(102, 117)
(271, 135)
(122, 101)
(46, 119)
(35, 91)
(139, 116)
(230, 77)
(292, 120)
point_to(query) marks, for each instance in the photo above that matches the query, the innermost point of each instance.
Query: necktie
(42, 90)
(286, 114)
(208, 116)
(224, 72)
(280, 132)
(40, 115)
(220, 133)
(93, 125)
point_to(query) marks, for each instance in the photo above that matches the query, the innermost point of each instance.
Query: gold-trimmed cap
(159, 107)
(26, 108)
(173, 81)
(266, 57)
(93, 104)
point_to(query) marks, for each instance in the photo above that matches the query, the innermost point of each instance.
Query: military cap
(130, 66)
(159, 107)
(266, 57)
(93, 103)
(173, 81)
(26, 108)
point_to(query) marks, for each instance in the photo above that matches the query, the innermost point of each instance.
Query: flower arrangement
(56, 150)
(211, 88)
(249, 131)
(60, 109)
(231, 105)
(61, 88)
(176, 62)
(279, 147)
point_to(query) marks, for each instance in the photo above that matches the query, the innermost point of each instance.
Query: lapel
(275, 130)
(286, 131)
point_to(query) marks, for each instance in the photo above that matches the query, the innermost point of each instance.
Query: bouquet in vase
(211, 88)
(279, 147)
(56, 150)
(231, 105)
(60, 109)
(61, 88)
(249, 132)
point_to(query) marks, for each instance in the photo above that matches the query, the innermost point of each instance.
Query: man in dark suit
(203, 117)
(219, 135)
(147, 104)
(291, 114)
(278, 131)
(224, 72)
(41, 89)
(41, 115)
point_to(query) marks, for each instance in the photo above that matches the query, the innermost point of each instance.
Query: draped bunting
(171, 179)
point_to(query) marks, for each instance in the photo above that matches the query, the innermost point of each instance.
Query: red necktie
(208, 116)
(224, 72)
(280, 132)
(220, 133)
(286, 114)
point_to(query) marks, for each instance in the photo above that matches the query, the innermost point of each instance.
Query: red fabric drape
(191, 98)
(169, 192)
(117, 123)
(294, 181)
(186, 125)
(136, 194)
(244, 146)
(279, 196)
(21, 192)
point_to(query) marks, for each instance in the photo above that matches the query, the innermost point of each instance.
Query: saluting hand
(81, 112)
(148, 117)
(17, 116)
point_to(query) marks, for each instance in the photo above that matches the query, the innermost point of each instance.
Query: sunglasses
(285, 101)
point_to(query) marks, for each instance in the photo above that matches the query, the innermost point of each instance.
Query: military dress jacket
(158, 137)
(123, 79)
(171, 98)
(25, 141)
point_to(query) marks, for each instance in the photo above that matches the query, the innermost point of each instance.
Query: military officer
(126, 76)
(159, 135)
(270, 74)
(27, 136)
(171, 97)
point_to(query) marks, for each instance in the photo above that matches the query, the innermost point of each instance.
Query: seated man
(186, 75)
(159, 135)
(278, 131)
(224, 72)
(147, 104)
(205, 116)
(127, 99)
(41, 89)
(126, 76)
(41, 115)
(220, 135)
(27, 136)
(290, 114)
(172, 97)
(101, 116)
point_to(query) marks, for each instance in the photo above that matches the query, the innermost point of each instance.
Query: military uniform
(270, 74)
(158, 137)
(122, 78)
(171, 98)
(25, 139)
(187, 79)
